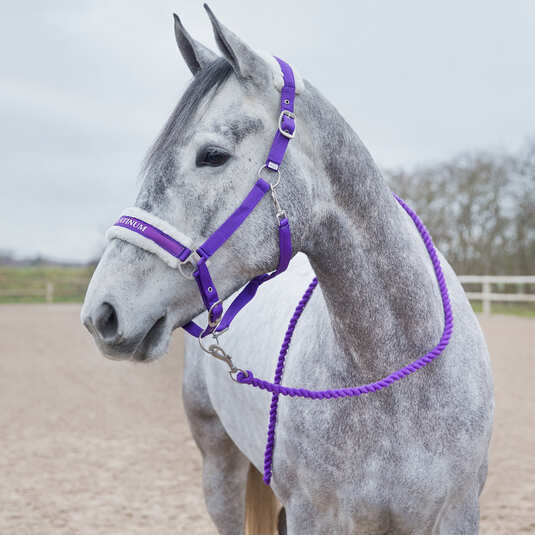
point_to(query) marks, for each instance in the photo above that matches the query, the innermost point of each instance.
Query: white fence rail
(487, 295)
(47, 292)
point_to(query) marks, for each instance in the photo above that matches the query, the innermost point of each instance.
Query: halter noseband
(153, 234)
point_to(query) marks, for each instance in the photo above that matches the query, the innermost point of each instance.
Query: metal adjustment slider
(192, 259)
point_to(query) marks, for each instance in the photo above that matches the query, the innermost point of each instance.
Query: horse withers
(411, 458)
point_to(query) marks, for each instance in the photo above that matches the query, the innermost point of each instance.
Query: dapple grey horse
(409, 459)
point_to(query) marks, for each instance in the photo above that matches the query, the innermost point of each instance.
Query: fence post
(49, 294)
(486, 297)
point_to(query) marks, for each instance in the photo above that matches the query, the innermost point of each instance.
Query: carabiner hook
(216, 351)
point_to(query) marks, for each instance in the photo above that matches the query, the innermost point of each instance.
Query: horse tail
(261, 506)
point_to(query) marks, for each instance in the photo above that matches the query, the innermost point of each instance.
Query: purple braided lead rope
(277, 389)
(270, 444)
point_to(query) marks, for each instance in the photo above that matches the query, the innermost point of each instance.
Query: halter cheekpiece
(157, 236)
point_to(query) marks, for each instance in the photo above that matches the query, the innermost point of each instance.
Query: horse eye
(213, 156)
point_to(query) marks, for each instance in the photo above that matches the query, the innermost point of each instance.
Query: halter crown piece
(157, 236)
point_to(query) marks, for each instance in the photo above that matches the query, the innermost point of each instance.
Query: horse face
(199, 170)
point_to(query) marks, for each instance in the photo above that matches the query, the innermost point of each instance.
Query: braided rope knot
(245, 378)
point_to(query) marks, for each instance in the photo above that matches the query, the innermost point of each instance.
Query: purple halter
(179, 255)
(153, 234)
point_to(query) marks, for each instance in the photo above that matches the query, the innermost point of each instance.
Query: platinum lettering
(124, 220)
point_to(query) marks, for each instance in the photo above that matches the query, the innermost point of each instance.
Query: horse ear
(194, 53)
(245, 61)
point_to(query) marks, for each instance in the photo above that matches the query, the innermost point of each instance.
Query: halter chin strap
(157, 236)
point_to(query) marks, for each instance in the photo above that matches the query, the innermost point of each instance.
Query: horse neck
(370, 260)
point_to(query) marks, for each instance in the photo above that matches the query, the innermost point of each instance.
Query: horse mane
(209, 77)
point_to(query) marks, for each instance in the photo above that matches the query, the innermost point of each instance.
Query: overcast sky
(86, 86)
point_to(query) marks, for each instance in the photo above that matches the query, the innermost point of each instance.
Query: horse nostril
(105, 322)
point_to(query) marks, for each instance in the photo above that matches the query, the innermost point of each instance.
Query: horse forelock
(207, 79)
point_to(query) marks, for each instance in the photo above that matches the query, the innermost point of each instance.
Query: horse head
(202, 164)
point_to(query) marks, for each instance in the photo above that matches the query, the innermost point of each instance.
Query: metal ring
(277, 182)
(214, 324)
(236, 371)
(215, 333)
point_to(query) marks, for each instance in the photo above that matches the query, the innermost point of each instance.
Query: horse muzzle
(120, 339)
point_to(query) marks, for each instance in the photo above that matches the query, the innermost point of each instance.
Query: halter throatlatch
(159, 237)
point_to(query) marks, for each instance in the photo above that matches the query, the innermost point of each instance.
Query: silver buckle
(193, 259)
(283, 132)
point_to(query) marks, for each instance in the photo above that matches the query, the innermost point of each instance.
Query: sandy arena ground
(94, 447)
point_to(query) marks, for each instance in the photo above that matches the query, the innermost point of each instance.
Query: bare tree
(479, 207)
